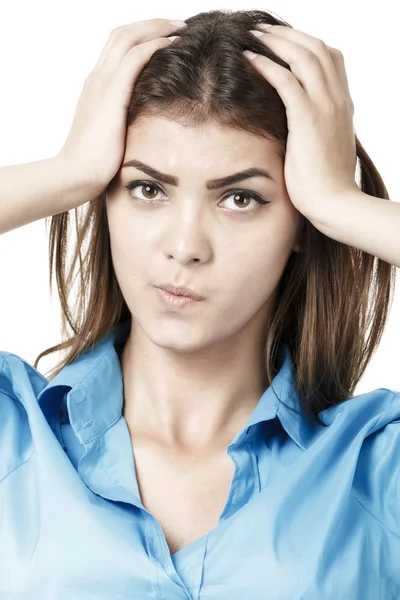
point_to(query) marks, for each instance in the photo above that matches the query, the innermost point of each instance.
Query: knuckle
(319, 45)
(117, 32)
(336, 52)
(285, 77)
(310, 56)
(336, 56)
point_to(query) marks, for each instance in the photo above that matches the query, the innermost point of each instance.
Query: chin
(176, 340)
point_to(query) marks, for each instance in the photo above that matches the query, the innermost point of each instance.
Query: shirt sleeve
(377, 477)
(15, 435)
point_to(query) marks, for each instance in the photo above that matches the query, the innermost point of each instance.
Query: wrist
(336, 211)
(80, 184)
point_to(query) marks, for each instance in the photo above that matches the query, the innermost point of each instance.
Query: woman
(200, 438)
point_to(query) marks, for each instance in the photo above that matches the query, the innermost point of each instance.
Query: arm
(94, 149)
(321, 159)
(365, 222)
(39, 189)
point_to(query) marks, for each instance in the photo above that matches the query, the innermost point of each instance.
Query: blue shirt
(313, 511)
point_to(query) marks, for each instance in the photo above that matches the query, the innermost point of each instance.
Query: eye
(150, 197)
(143, 184)
(246, 194)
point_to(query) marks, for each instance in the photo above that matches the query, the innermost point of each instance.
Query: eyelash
(141, 183)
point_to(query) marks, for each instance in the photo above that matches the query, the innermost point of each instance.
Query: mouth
(175, 302)
(180, 291)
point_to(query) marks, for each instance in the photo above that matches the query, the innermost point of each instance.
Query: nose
(188, 237)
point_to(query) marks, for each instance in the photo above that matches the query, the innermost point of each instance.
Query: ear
(298, 246)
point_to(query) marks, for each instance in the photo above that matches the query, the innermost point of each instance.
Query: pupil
(148, 186)
(238, 196)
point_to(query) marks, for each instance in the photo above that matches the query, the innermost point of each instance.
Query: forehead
(209, 143)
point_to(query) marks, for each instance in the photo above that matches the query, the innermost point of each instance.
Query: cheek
(253, 274)
(128, 247)
(127, 235)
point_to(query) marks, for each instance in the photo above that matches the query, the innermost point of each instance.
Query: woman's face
(218, 241)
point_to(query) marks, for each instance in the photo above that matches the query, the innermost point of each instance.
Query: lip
(180, 291)
(173, 302)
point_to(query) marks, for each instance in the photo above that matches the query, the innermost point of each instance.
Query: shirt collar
(91, 390)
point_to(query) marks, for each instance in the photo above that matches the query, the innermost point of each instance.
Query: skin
(193, 376)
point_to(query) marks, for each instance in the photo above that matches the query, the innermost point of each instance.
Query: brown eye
(248, 197)
(241, 204)
(149, 190)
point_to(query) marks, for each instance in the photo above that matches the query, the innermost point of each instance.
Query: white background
(48, 48)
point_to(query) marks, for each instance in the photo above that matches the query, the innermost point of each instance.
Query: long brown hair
(333, 299)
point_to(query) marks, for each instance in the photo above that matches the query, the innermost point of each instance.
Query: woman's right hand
(95, 145)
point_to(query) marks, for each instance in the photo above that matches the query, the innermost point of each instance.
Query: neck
(193, 399)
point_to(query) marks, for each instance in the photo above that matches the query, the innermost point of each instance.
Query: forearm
(365, 222)
(36, 190)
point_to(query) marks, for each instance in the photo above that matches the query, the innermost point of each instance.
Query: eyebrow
(212, 184)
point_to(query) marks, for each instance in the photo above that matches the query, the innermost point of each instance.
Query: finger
(315, 45)
(121, 40)
(286, 84)
(129, 69)
(338, 60)
(321, 86)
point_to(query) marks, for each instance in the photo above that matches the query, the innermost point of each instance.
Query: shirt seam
(17, 401)
(374, 516)
(397, 536)
(16, 468)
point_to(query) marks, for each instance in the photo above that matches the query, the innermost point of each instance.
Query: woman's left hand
(320, 159)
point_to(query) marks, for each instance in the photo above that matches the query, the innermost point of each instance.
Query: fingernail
(249, 54)
(179, 23)
(256, 32)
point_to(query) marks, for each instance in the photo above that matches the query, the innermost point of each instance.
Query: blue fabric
(313, 511)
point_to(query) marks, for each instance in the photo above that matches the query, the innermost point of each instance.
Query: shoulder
(377, 478)
(20, 384)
